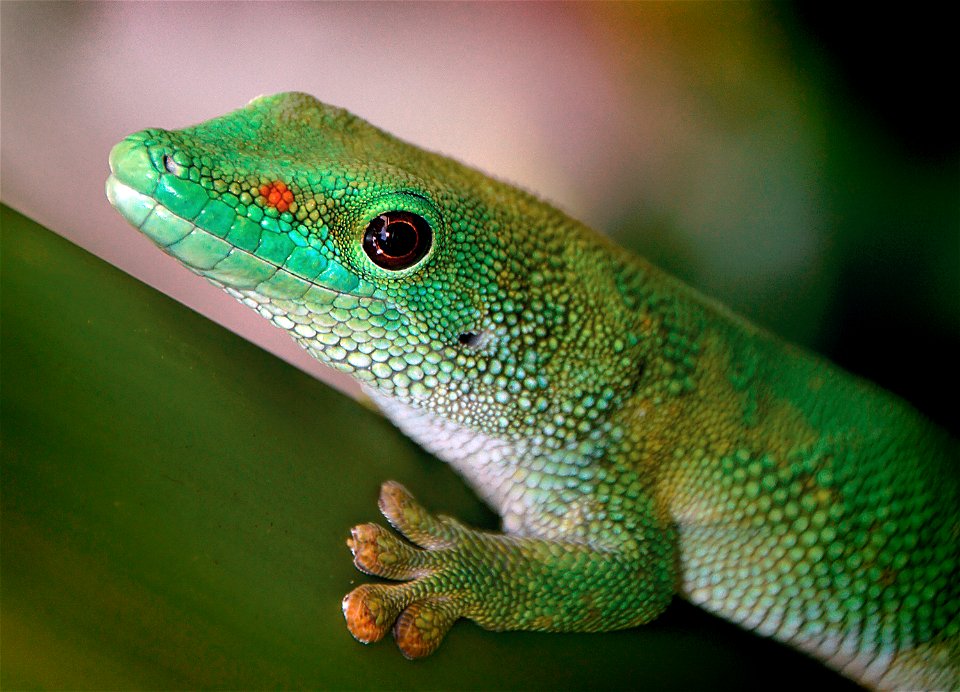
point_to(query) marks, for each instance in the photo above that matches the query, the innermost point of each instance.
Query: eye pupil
(397, 239)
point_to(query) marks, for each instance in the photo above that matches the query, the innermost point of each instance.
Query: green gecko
(637, 439)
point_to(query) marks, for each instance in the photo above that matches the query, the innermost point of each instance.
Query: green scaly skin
(637, 439)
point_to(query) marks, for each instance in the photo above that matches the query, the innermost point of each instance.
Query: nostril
(170, 165)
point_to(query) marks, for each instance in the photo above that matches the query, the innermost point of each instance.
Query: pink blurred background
(690, 132)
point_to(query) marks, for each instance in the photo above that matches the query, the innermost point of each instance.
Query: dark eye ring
(397, 239)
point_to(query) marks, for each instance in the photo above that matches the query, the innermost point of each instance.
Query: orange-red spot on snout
(277, 195)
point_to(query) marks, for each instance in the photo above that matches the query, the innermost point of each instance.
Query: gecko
(639, 440)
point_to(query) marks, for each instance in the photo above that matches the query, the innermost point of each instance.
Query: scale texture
(638, 439)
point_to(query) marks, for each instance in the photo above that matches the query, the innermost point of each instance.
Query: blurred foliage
(812, 175)
(175, 504)
(893, 184)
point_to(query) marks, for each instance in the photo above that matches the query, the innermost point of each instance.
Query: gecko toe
(411, 519)
(371, 609)
(378, 552)
(422, 626)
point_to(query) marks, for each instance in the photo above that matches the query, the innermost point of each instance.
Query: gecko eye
(397, 239)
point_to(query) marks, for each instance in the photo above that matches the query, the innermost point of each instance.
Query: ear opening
(473, 339)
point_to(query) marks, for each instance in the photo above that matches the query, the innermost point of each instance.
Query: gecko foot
(420, 611)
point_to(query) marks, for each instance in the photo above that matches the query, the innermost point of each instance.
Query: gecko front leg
(500, 581)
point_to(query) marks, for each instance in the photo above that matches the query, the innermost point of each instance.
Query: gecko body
(637, 439)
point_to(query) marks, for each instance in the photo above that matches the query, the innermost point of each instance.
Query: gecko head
(276, 198)
(381, 259)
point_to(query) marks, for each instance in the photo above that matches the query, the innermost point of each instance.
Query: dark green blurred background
(879, 293)
(893, 146)
(175, 501)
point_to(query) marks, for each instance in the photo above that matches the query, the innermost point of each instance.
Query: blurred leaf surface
(175, 503)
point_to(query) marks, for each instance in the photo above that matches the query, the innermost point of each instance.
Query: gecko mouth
(226, 249)
(205, 254)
